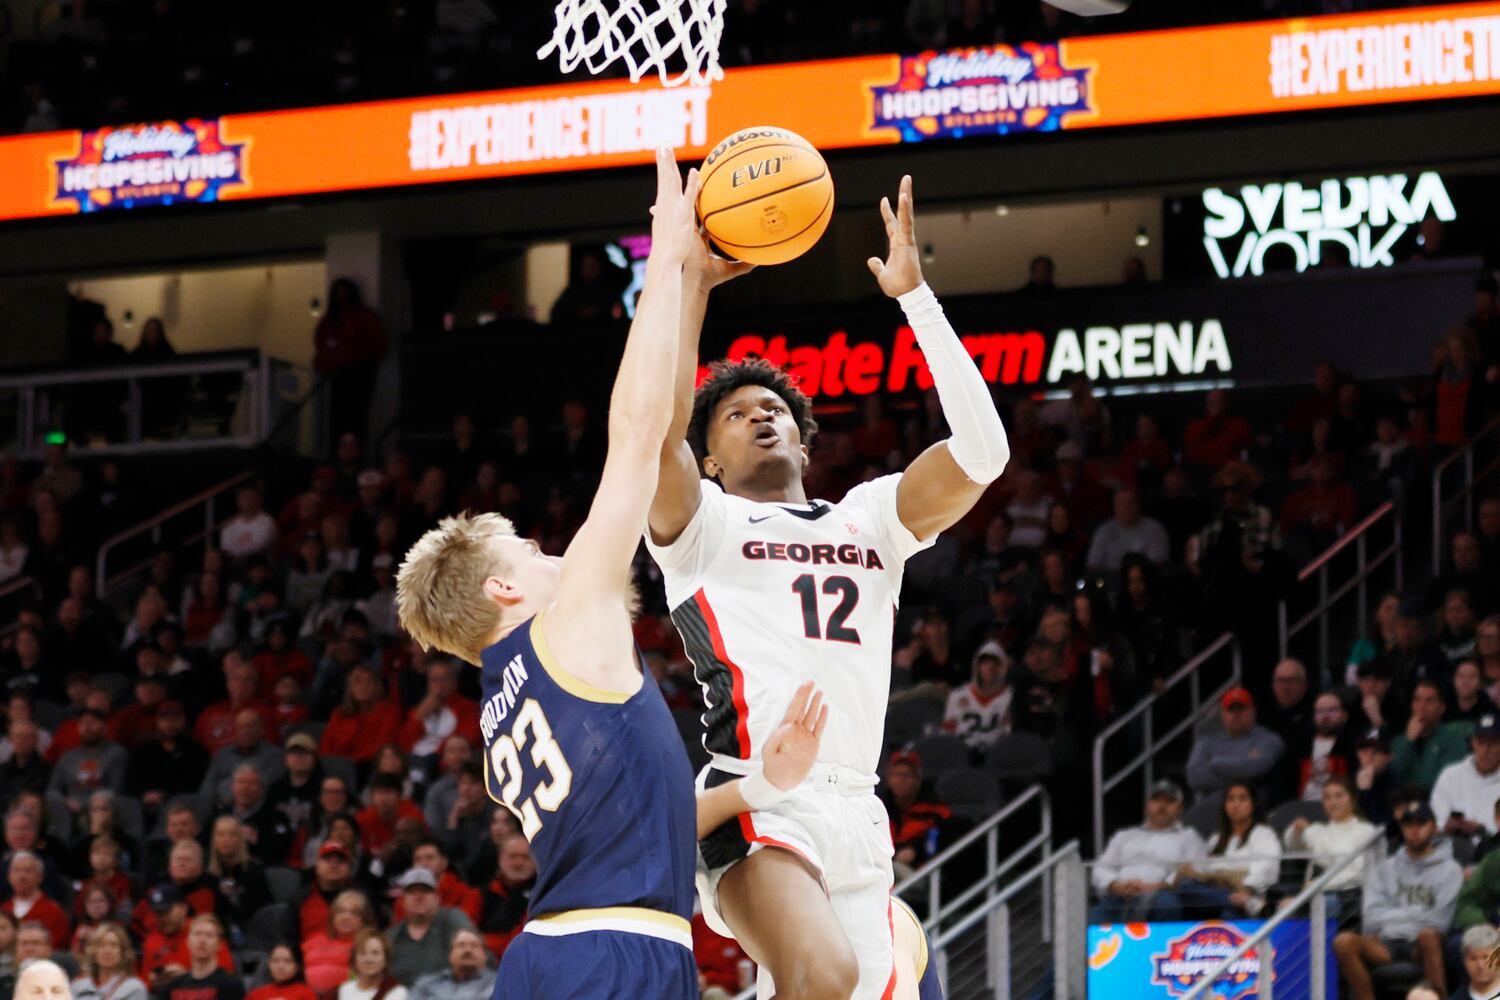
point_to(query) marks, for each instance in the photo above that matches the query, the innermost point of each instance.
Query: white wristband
(758, 792)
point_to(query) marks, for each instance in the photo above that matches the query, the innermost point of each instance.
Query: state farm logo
(836, 366)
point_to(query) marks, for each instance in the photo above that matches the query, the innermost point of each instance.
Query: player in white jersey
(770, 590)
(980, 710)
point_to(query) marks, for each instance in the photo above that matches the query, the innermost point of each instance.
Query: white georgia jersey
(979, 720)
(767, 596)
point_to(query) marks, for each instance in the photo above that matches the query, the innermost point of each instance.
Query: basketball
(767, 196)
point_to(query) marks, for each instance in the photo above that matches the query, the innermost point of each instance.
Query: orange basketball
(767, 196)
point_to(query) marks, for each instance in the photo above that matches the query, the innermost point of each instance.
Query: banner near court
(1164, 961)
(1258, 68)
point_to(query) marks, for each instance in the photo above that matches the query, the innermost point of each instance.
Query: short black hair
(724, 377)
(385, 783)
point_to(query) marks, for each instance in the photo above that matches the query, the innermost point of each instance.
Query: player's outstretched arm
(944, 482)
(589, 626)
(787, 758)
(677, 490)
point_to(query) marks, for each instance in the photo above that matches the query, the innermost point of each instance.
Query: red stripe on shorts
(741, 709)
(890, 986)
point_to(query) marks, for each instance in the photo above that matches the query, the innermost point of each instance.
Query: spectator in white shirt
(1028, 511)
(1135, 874)
(1243, 860)
(1127, 532)
(1343, 832)
(1464, 795)
(980, 710)
(251, 532)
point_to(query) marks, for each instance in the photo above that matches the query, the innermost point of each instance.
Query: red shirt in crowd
(272, 667)
(359, 735)
(718, 958)
(118, 884)
(1329, 510)
(161, 950)
(375, 832)
(466, 723)
(133, 726)
(290, 991)
(214, 729)
(48, 913)
(1215, 441)
(200, 899)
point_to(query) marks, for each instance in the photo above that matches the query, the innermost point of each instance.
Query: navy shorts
(597, 965)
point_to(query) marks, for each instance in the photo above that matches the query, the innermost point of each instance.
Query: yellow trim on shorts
(569, 683)
(921, 936)
(666, 921)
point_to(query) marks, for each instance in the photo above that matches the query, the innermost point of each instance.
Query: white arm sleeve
(978, 444)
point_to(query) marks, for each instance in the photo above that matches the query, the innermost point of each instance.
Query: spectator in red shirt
(333, 872)
(214, 729)
(917, 817)
(348, 346)
(506, 900)
(377, 822)
(1216, 438)
(281, 658)
(284, 965)
(207, 977)
(441, 713)
(1323, 510)
(718, 958)
(98, 699)
(135, 725)
(186, 874)
(28, 903)
(291, 708)
(365, 722)
(452, 891)
(326, 951)
(104, 869)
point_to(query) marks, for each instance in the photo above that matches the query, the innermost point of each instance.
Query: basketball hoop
(645, 34)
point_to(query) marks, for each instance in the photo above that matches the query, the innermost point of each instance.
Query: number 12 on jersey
(505, 760)
(837, 629)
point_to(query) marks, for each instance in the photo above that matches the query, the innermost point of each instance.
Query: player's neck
(764, 492)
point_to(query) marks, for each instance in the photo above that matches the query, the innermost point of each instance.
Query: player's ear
(500, 591)
(711, 468)
(806, 456)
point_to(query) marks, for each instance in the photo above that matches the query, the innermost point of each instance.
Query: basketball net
(645, 34)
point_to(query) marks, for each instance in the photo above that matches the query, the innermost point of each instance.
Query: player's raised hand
(789, 754)
(901, 271)
(674, 220)
(709, 270)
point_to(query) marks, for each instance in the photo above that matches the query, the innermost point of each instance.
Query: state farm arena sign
(837, 366)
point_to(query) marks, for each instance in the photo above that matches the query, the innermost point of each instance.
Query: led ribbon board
(1265, 67)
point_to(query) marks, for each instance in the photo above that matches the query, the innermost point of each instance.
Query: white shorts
(835, 823)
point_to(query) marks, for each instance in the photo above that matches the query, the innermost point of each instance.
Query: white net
(678, 39)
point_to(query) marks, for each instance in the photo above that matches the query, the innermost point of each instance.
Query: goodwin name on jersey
(769, 595)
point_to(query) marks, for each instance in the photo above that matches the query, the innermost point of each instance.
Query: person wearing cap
(452, 890)
(1135, 874)
(293, 797)
(420, 942)
(468, 976)
(980, 710)
(94, 764)
(1464, 795)
(333, 872)
(1372, 776)
(917, 817)
(1408, 907)
(1428, 745)
(1243, 752)
(165, 956)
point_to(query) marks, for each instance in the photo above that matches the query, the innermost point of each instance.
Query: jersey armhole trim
(575, 686)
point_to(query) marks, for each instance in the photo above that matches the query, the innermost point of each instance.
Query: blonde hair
(127, 953)
(360, 901)
(440, 586)
(369, 934)
(241, 855)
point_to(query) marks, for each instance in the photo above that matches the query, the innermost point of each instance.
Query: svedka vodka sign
(1365, 216)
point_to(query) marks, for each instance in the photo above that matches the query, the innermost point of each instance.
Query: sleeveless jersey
(600, 782)
(769, 595)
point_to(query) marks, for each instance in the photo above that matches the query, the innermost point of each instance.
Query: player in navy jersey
(916, 972)
(579, 743)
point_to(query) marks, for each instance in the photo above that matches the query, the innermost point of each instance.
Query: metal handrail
(1313, 892)
(117, 373)
(153, 524)
(1187, 672)
(1365, 566)
(1466, 494)
(1070, 849)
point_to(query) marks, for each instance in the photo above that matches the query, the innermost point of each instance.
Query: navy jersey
(600, 782)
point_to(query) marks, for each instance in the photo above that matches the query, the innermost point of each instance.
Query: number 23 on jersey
(531, 729)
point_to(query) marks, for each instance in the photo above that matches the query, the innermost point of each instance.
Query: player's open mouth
(766, 437)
